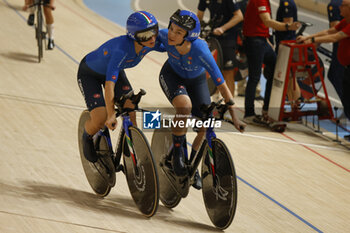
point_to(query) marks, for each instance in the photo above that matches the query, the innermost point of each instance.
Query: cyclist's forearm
(225, 92)
(109, 97)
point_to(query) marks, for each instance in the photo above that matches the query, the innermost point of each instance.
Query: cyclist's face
(176, 34)
(150, 43)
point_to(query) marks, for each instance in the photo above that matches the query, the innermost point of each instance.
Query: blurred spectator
(224, 16)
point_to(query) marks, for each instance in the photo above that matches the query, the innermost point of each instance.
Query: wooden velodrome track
(297, 181)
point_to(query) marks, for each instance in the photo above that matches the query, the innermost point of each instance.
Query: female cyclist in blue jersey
(105, 67)
(183, 80)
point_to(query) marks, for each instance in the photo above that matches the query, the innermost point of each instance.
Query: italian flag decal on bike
(131, 150)
(211, 159)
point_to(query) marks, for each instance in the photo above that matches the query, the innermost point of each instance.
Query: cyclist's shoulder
(119, 44)
(200, 49)
(163, 33)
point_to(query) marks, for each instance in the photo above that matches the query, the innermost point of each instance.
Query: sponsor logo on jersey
(105, 52)
(262, 8)
(96, 96)
(286, 3)
(218, 80)
(193, 34)
(114, 77)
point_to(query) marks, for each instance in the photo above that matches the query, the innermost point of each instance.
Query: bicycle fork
(199, 155)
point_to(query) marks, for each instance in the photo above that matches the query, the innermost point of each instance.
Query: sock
(50, 30)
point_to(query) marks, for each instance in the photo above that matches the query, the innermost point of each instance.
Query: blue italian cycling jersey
(117, 54)
(192, 64)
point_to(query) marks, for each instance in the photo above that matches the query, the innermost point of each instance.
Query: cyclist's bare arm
(111, 122)
(226, 93)
(278, 26)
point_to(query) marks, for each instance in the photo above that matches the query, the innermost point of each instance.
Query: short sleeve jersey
(221, 11)
(117, 54)
(253, 25)
(192, 64)
(286, 9)
(344, 44)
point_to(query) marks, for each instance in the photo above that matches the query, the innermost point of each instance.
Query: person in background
(224, 15)
(336, 70)
(256, 24)
(339, 33)
(287, 12)
(48, 8)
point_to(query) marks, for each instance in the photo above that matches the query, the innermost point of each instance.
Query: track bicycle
(40, 34)
(217, 171)
(138, 164)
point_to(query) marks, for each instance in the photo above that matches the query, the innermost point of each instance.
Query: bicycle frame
(210, 134)
(126, 124)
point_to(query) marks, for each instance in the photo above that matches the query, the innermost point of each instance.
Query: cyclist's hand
(218, 31)
(239, 125)
(111, 122)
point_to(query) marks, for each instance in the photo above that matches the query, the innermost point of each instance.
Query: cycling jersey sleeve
(114, 66)
(208, 62)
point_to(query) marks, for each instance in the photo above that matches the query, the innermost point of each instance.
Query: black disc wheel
(219, 184)
(161, 144)
(141, 172)
(100, 175)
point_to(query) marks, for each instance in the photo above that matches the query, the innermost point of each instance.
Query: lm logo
(151, 120)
